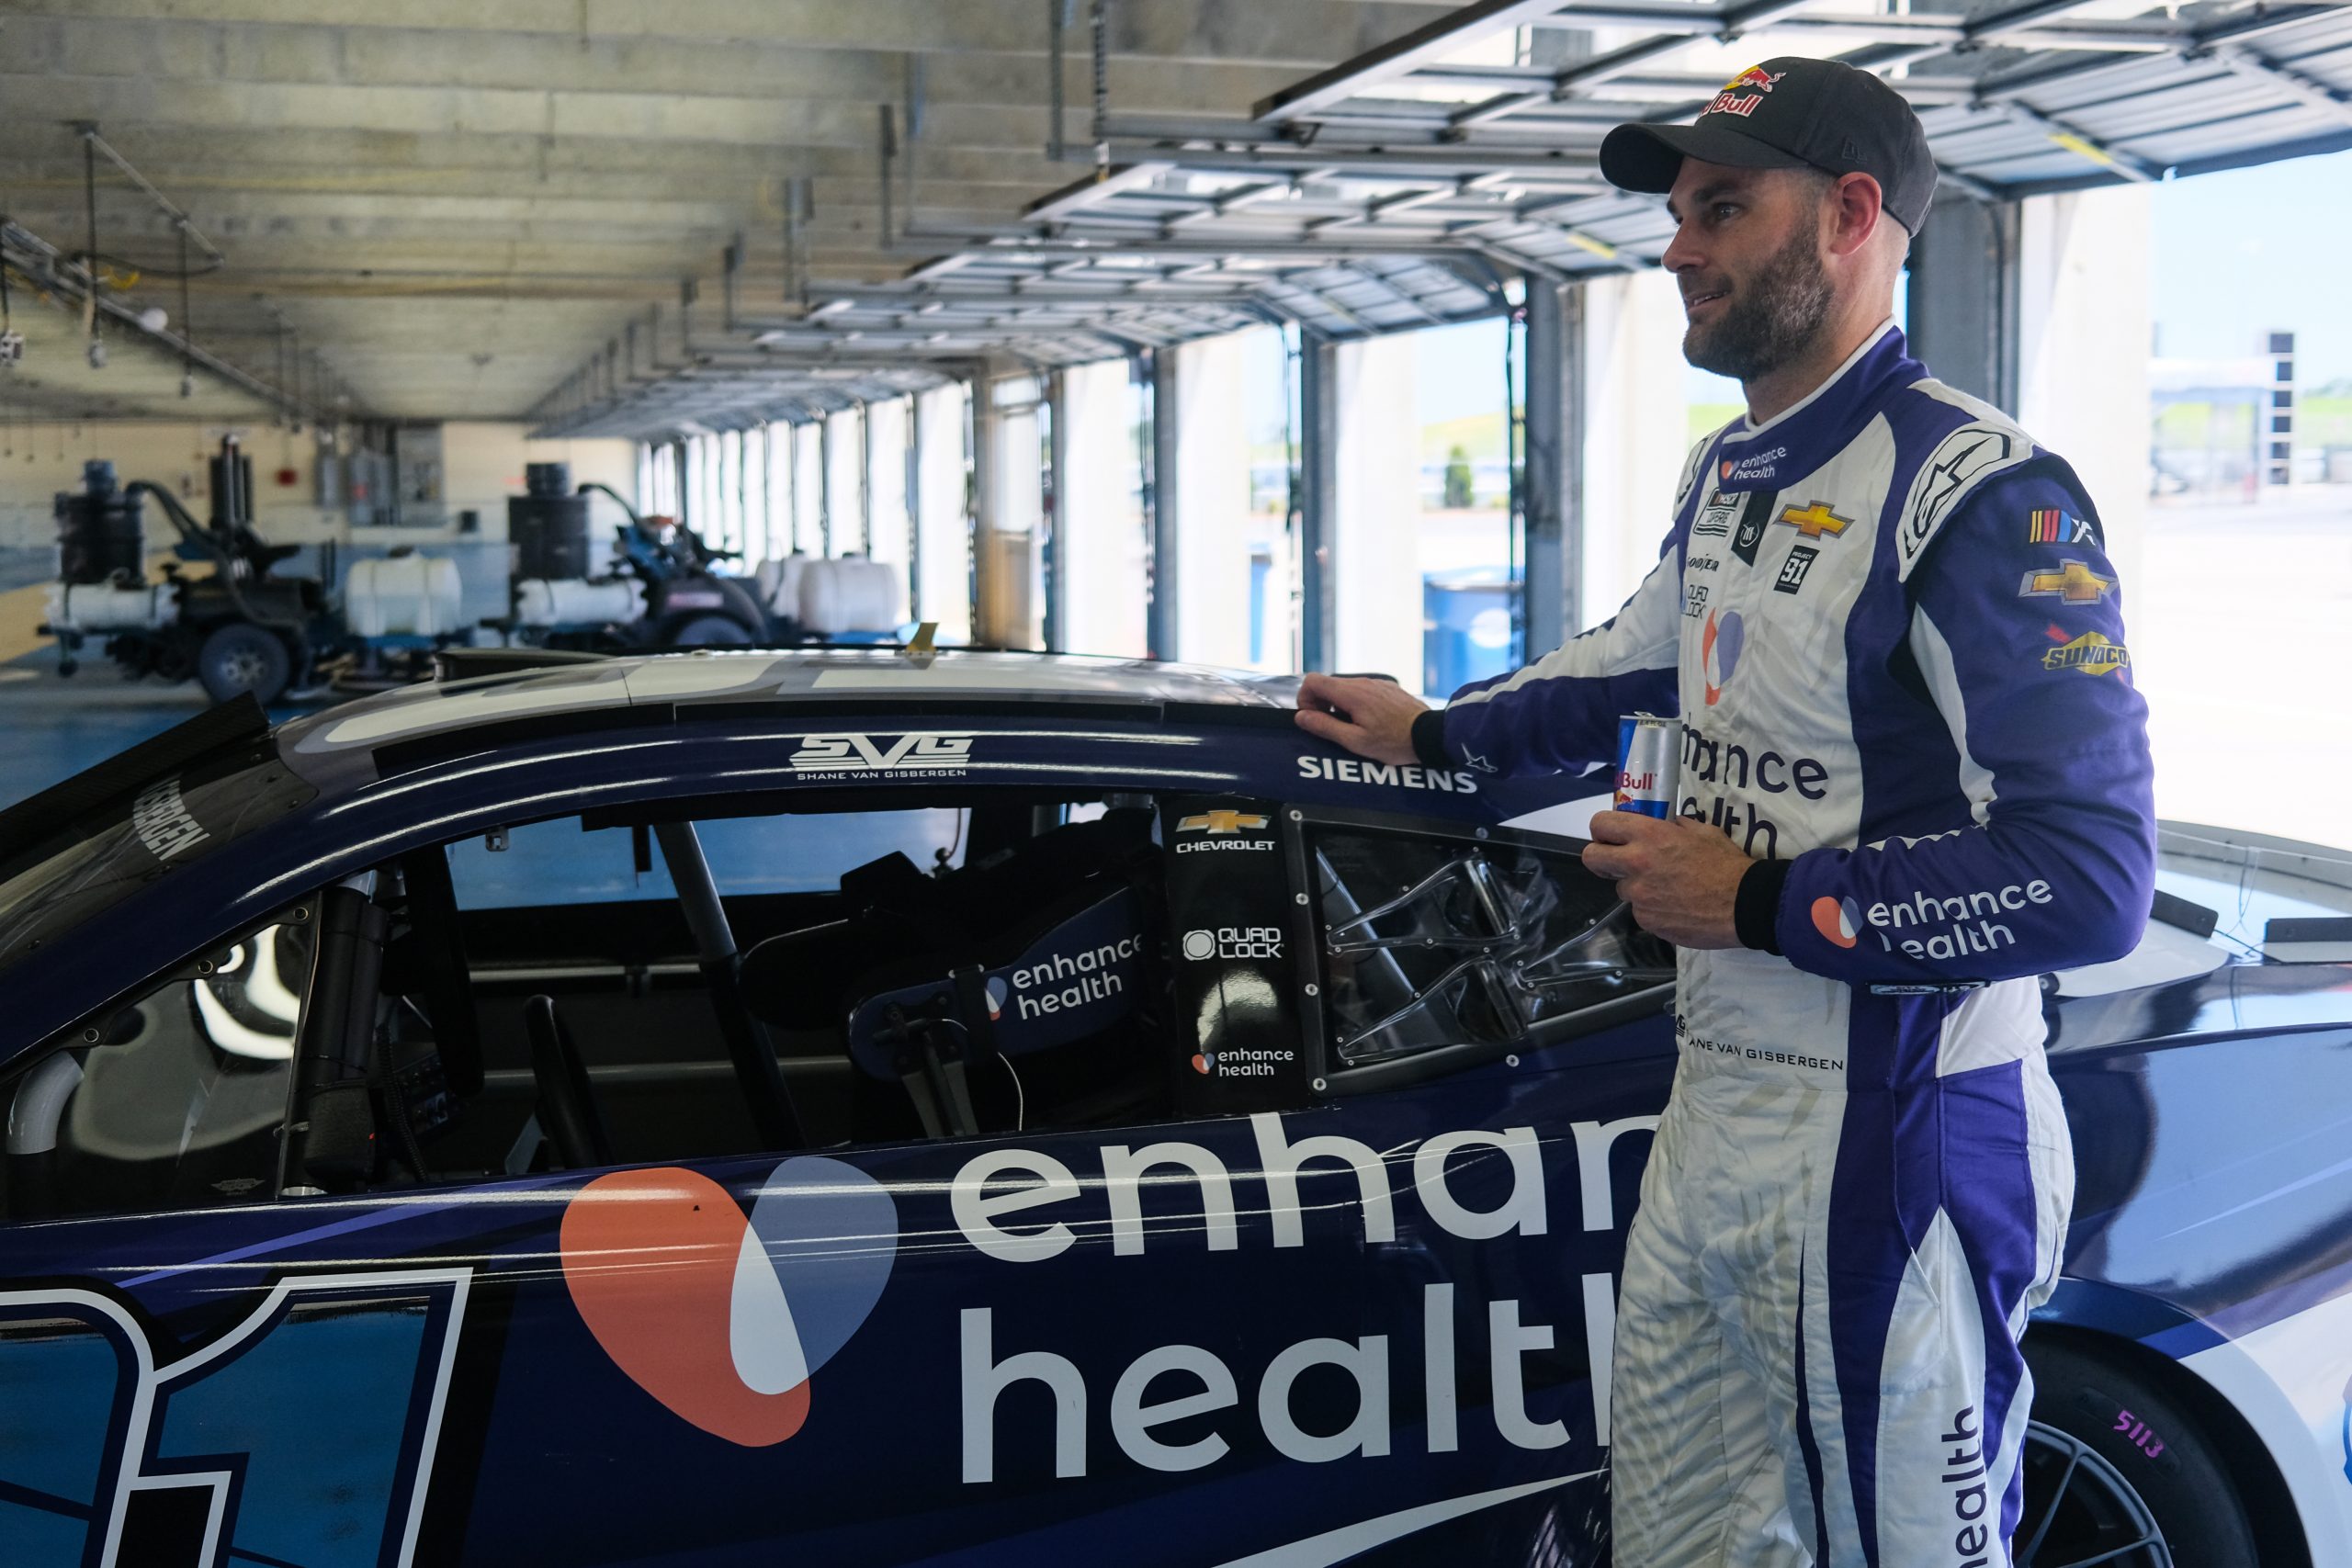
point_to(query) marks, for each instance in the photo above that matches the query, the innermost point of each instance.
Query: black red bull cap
(1791, 113)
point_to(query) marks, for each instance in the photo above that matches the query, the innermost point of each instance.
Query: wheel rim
(244, 667)
(2080, 1512)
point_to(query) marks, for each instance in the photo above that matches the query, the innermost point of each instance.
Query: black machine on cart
(238, 629)
(662, 590)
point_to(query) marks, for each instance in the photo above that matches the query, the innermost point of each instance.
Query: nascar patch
(2049, 525)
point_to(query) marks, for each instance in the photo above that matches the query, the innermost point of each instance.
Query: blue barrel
(1466, 617)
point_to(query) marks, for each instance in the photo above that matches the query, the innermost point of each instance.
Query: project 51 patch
(1793, 570)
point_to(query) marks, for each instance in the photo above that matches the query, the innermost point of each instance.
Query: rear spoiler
(463, 663)
(27, 824)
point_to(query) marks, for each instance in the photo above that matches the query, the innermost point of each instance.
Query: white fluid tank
(578, 600)
(402, 597)
(103, 607)
(779, 583)
(850, 595)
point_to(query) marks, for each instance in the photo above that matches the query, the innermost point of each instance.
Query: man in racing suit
(1914, 777)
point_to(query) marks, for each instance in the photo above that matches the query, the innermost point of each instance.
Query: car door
(1057, 1343)
(1491, 1018)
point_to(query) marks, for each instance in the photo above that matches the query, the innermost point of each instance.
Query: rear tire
(2150, 1464)
(706, 630)
(242, 657)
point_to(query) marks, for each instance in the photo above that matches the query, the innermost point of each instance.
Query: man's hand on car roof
(1371, 718)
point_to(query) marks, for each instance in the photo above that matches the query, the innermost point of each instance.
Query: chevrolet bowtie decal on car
(1221, 822)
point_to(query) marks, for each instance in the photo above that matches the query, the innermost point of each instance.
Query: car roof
(862, 678)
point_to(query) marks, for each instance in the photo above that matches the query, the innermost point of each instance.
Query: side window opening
(1435, 944)
(1004, 964)
(178, 1099)
(605, 1031)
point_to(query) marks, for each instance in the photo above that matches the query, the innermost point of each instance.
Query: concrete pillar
(1101, 546)
(778, 537)
(1161, 611)
(1636, 433)
(1552, 492)
(1009, 473)
(1963, 297)
(759, 449)
(1212, 501)
(943, 514)
(844, 483)
(1053, 585)
(2085, 311)
(1375, 552)
(1319, 483)
(808, 488)
(886, 480)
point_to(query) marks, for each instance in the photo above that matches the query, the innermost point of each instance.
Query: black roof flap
(30, 822)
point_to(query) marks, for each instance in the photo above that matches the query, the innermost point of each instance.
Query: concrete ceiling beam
(698, 224)
(198, 107)
(71, 43)
(357, 160)
(1296, 33)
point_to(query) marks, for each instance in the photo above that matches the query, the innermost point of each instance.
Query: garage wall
(47, 459)
(483, 464)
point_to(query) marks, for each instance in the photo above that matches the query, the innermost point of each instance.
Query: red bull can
(1649, 764)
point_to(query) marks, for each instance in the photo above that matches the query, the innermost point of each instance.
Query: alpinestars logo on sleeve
(1965, 457)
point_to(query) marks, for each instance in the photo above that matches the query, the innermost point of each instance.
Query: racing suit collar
(1801, 437)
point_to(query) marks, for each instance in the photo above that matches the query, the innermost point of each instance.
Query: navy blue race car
(864, 1108)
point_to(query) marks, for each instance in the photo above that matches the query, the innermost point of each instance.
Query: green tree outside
(1457, 479)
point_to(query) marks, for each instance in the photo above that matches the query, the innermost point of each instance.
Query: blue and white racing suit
(1893, 634)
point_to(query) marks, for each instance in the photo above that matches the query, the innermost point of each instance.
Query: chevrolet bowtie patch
(1221, 822)
(1816, 520)
(2072, 582)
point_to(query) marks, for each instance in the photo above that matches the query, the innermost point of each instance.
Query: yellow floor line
(21, 609)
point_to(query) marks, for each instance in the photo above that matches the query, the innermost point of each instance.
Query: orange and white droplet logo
(726, 1319)
(1839, 920)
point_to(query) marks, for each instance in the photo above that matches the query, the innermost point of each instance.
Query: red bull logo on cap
(1755, 80)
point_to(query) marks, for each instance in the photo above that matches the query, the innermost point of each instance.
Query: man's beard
(1771, 320)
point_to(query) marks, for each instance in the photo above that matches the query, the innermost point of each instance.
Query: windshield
(174, 820)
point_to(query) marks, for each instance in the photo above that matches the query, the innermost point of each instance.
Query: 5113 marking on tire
(304, 1434)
